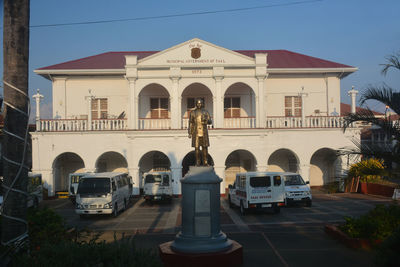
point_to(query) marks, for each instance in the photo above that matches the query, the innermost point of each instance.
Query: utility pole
(15, 75)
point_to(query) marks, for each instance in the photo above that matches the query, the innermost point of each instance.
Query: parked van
(73, 181)
(157, 186)
(297, 191)
(257, 190)
(103, 193)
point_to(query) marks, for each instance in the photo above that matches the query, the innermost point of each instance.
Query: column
(353, 94)
(220, 171)
(89, 110)
(175, 105)
(304, 170)
(48, 180)
(38, 97)
(261, 113)
(176, 178)
(302, 95)
(218, 99)
(261, 168)
(134, 173)
(132, 105)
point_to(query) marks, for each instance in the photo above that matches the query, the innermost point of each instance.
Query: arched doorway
(324, 166)
(238, 161)
(283, 160)
(239, 106)
(111, 162)
(189, 96)
(63, 165)
(154, 107)
(153, 161)
(190, 160)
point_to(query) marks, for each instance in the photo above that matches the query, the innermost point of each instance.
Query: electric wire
(175, 15)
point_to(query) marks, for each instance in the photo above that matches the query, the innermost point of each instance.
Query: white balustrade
(242, 122)
(81, 125)
(309, 122)
(149, 124)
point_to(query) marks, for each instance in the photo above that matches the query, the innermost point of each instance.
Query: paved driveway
(295, 237)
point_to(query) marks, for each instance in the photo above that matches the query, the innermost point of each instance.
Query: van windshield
(261, 181)
(94, 186)
(294, 180)
(152, 178)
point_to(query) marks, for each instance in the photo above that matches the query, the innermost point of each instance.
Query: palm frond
(393, 61)
(384, 94)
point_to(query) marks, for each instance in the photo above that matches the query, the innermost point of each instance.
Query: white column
(134, 173)
(220, 171)
(132, 105)
(38, 97)
(261, 168)
(176, 177)
(261, 114)
(48, 181)
(175, 105)
(304, 170)
(218, 98)
(89, 110)
(302, 95)
(353, 93)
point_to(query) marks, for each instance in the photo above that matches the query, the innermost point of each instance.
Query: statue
(198, 121)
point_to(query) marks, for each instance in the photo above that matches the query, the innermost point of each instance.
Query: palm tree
(389, 152)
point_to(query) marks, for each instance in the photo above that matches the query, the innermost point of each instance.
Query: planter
(355, 243)
(376, 189)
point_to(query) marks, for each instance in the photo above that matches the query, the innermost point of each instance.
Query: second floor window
(292, 106)
(99, 108)
(159, 108)
(231, 107)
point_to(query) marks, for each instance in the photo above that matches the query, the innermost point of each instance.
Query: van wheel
(125, 204)
(242, 209)
(115, 211)
(230, 202)
(276, 209)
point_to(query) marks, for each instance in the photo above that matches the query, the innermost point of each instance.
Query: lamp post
(38, 97)
(353, 93)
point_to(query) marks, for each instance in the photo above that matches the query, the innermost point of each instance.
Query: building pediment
(196, 52)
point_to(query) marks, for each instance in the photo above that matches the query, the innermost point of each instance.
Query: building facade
(272, 110)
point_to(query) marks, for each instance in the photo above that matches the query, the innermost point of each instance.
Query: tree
(389, 152)
(15, 75)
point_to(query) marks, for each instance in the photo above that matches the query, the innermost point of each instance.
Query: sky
(359, 33)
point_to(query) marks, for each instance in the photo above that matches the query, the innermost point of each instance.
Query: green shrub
(69, 253)
(388, 253)
(369, 170)
(377, 224)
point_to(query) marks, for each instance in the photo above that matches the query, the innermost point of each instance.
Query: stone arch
(150, 93)
(239, 101)
(324, 166)
(238, 161)
(283, 160)
(63, 165)
(192, 92)
(111, 162)
(153, 161)
(190, 160)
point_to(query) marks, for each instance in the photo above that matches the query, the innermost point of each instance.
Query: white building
(272, 110)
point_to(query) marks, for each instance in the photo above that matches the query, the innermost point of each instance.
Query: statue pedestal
(201, 237)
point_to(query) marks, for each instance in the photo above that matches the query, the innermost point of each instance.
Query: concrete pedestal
(201, 237)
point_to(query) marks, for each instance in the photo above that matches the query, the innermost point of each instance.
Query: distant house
(272, 110)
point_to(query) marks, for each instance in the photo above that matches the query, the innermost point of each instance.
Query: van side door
(278, 188)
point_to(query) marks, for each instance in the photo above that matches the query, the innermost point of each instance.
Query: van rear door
(260, 189)
(278, 188)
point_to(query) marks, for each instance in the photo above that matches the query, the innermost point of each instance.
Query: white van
(297, 191)
(257, 190)
(103, 193)
(73, 182)
(157, 186)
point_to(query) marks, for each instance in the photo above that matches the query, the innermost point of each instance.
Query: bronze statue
(198, 121)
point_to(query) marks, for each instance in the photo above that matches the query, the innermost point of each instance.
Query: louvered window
(159, 108)
(99, 108)
(232, 107)
(292, 106)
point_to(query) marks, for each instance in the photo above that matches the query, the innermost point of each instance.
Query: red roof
(346, 109)
(276, 59)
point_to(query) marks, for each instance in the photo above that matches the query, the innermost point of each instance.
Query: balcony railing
(309, 122)
(56, 125)
(149, 124)
(59, 125)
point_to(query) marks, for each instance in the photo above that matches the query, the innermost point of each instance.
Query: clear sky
(359, 33)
